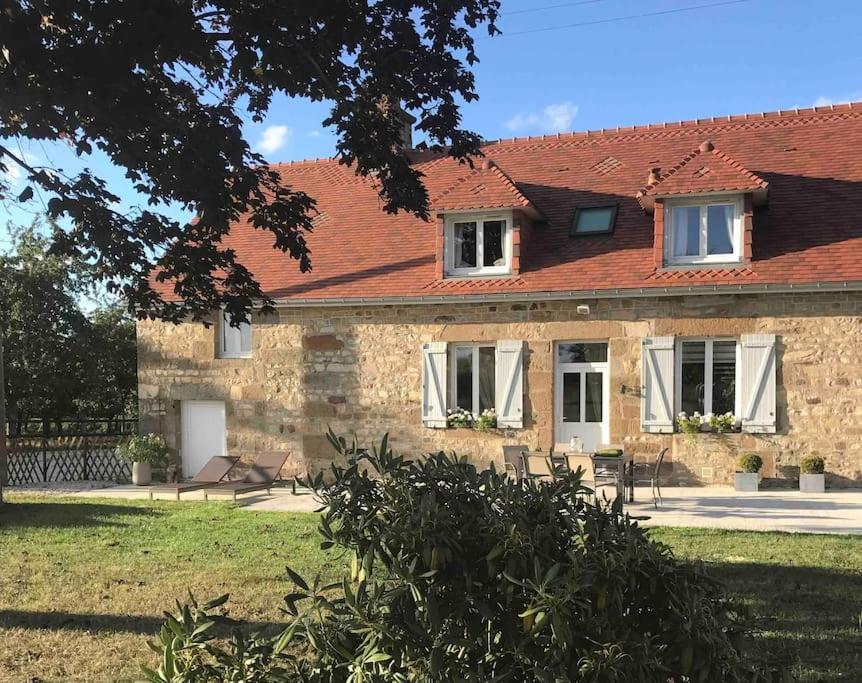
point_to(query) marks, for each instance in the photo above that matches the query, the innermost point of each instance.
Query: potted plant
(689, 424)
(486, 420)
(811, 477)
(746, 478)
(722, 424)
(458, 418)
(143, 452)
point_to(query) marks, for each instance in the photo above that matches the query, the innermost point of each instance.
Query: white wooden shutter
(509, 383)
(434, 385)
(757, 382)
(657, 384)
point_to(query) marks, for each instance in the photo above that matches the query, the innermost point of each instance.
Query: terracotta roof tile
(706, 169)
(810, 231)
(484, 187)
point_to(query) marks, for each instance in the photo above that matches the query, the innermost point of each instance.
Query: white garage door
(203, 432)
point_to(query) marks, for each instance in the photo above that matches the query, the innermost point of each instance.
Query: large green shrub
(461, 575)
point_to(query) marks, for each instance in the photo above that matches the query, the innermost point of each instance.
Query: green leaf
(297, 579)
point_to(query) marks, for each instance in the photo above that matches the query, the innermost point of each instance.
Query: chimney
(405, 120)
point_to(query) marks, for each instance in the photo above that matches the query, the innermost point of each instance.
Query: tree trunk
(4, 460)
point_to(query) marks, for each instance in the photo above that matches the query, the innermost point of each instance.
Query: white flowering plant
(459, 417)
(689, 424)
(149, 448)
(723, 423)
(485, 420)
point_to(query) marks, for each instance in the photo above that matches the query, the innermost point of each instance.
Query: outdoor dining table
(625, 470)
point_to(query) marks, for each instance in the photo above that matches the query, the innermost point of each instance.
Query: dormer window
(479, 244)
(703, 230)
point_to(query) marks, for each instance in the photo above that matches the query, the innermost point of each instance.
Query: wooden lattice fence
(43, 451)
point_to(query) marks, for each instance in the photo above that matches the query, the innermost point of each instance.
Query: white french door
(581, 394)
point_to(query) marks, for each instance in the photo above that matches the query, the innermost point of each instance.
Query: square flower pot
(745, 481)
(812, 483)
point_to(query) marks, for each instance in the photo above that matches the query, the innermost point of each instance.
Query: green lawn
(84, 582)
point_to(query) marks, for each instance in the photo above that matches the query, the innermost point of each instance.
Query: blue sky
(606, 63)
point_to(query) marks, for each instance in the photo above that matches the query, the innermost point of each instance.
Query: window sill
(701, 264)
(484, 275)
(247, 356)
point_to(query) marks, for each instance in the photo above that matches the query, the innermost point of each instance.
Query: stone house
(590, 285)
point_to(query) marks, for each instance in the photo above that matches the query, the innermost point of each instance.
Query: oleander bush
(466, 576)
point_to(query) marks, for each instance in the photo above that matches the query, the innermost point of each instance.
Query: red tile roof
(810, 231)
(485, 187)
(703, 170)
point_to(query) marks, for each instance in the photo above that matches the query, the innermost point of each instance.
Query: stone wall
(358, 369)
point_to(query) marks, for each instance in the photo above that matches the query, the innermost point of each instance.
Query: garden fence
(44, 451)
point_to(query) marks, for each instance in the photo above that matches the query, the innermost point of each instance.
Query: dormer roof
(485, 186)
(706, 170)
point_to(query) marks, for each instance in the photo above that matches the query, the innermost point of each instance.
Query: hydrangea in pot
(811, 474)
(746, 477)
(459, 418)
(143, 452)
(722, 424)
(485, 420)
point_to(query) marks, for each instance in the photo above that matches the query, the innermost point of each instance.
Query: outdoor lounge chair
(213, 472)
(261, 476)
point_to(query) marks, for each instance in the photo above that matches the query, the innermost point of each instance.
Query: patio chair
(261, 476)
(574, 461)
(606, 475)
(512, 461)
(650, 474)
(537, 465)
(213, 472)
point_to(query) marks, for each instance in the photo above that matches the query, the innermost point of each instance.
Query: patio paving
(834, 512)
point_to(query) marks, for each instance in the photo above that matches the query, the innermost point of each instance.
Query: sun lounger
(212, 473)
(261, 476)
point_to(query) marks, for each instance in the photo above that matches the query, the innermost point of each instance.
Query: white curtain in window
(720, 229)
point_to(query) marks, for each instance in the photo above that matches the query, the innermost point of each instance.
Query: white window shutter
(434, 385)
(509, 383)
(657, 384)
(757, 382)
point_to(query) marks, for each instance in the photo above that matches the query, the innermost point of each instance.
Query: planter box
(812, 483)
(142, 473)
(744, 481)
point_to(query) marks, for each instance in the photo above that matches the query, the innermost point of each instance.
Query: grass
(84, 582)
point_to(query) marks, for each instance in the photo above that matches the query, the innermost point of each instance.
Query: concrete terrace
(834, 512)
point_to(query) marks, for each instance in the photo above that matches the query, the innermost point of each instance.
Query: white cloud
(552, 119)
(273, 138)
(824, 101)
(314, 134)
(14, 174)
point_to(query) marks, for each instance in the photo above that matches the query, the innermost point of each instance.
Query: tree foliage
(161, 87)
(467, 576)
(61, 361)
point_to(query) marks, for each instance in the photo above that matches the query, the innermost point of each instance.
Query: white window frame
(453, 372)
(702, 202)
(478, 218)
(222, 351)
(707, 361)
